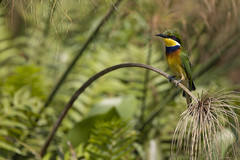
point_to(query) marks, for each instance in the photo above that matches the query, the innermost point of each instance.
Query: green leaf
(13, 124)
(128, 107)
(27, 75)
(9, 147)
(81, 131)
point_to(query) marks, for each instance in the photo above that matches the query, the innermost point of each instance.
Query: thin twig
(51, 12)
(90, 81)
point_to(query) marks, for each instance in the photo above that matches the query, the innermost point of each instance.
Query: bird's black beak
(162, 35)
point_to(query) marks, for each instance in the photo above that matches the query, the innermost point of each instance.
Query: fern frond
(112, 140)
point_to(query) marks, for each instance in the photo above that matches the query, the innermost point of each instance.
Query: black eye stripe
(175, 38)
(178, 40)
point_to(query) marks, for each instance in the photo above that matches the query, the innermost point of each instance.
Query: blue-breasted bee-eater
(178, 60)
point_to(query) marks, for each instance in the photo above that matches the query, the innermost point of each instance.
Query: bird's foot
(176, 84)
(171, 78)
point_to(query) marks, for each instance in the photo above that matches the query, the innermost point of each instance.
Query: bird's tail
(188, 98)
(193, 88)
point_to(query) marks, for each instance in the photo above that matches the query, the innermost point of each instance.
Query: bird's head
(171, 37)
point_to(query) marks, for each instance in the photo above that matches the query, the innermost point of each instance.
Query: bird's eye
(173, 37)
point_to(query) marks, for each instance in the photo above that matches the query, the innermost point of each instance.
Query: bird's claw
(178, 82)
(171, 78)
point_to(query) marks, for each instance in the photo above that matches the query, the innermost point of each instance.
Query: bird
(178, 60)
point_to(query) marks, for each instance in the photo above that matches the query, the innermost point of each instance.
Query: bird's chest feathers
(174, 61)
(174, 58)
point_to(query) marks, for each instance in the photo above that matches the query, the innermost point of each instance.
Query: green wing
(187, 67)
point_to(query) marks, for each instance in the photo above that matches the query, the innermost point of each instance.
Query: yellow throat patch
(170, 42)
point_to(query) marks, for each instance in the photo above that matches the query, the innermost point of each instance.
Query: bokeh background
(127, 114)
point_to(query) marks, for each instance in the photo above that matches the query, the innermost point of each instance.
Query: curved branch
(90, 81)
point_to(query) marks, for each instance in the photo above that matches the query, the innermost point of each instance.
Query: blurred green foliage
(112, 139)
(39, 39)
(29, 75)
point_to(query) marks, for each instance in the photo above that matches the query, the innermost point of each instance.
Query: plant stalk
(90, 81)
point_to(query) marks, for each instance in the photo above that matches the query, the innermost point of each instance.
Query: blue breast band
(172, 49)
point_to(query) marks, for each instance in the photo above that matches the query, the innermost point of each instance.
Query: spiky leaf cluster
(209, 129)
